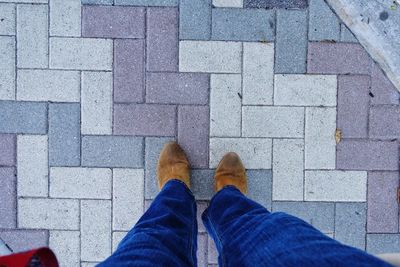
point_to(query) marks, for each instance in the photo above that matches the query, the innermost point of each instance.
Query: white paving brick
(288, 167)
(7, 68)
(32, 36)
(117, 238)
(225, 105)
(81, 53)
(305, 90)
(258, 73)
(254, 152)
(89, 264)
(7, 22)
(25, 1)
(48, 85)
(210, 56)
(320, 144)
(65, 17)
(96, 103)
(336, 186)
(228, 3)
(66, 245)
(282, 122)
(32, 165)
(95, 230)
(57, 214)
(128, 190)
(80, 183)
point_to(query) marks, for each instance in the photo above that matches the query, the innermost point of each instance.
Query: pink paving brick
(8, 198)
(144, 119)
(337, 58)
(162, 39)
(193, 133)
(384, 122)
(212, 251)
(113, 22)
(22, 240)
(353, 104)
(382, 89)
(129, 71)
(177, 88)
(367, 155)
(7, 148)
(382, 205)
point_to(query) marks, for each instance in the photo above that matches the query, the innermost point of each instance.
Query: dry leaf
(338, 135)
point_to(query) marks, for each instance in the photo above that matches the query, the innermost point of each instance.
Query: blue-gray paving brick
(350, 220)
(147, 2)
(64, 134)
(195, 19)
(112, 151)
(23, 117)
(153, 147)
(291, 41)
(324, 24)
(202, 184)
(97, 2)
(346, 35)
(275, 3)
(260, 187)
(319, 214)
(383, 243)
(238, 24)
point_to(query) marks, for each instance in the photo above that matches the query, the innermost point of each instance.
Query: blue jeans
(245, 234)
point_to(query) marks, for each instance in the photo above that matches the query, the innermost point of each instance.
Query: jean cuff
(177, 181)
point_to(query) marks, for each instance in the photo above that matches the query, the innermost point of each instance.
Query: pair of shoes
(174, 164)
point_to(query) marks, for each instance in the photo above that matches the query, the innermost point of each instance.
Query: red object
(44, 255)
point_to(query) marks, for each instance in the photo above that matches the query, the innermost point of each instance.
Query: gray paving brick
(291, 41)
(64, 134)
(8, 198)
(346, 35)
(237, 24)
(275, 4)
(260, 187)
(324, 25)
(112, 151)
(202, 184)
(318, 214)
(23, 240)
(23, 117)
(66, 245)
(350, 224)
(7, 68)
(202, 250)
(147, 2)
(7, 22)
(383, 243)
(153, 147)
(195, 19)
(32, 36)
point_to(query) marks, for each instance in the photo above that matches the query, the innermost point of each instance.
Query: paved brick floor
(90, 92)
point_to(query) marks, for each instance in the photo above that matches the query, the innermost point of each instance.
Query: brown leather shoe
(231, 171)
(173, 164)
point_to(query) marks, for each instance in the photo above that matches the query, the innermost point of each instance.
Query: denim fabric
(166, 235)
(245, 233)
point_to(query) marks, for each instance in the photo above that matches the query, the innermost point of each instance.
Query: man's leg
(166, 235)
(247, 234)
